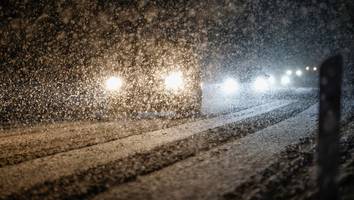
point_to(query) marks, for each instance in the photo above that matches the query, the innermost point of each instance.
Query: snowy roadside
(293, 175)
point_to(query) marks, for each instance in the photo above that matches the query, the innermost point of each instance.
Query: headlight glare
(271, 80)
(261, 84)
(229, 86)
(298, 73)
(285, 80)
(114, 83)
(174, 81)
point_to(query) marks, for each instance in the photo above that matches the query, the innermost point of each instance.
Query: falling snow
(178, 99)
(56, 56)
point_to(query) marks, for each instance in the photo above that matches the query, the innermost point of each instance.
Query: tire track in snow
(81, 160)
(217, 171)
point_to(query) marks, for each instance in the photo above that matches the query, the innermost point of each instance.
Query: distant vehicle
(264, 82)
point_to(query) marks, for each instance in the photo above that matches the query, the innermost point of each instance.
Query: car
(160, 77)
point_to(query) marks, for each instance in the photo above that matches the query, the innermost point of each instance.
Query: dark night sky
(238, 36)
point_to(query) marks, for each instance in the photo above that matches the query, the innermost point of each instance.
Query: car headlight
(174, 81)
(229, 86)
(289, 72)
(285, 80)
(298, 73)
(114, 83)
(261, 84)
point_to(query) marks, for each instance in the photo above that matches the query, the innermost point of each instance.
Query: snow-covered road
(74, 161)
(206, 176)
(86, 159)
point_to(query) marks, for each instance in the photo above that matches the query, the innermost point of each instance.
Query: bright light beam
(261, 84)
(298, 73)
(174, 81)
(271, 80)
(289, 72)
(285, 80)
(229, 86)
(114, 83)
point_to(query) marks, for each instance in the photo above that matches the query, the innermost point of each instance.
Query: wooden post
(329, 125)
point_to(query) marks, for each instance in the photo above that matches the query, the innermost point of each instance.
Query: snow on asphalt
(220, 170)
(29, 143)
(26, 143)
(30, 173)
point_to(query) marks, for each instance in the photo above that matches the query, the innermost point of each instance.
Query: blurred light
(285, 80)
(289, 72)
(114, 83)
(307, 68)
(315, 69)
(174, 81)
(271, 80)
(261, 84)
(229, 86)
(298, 73)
